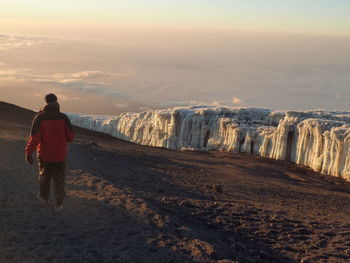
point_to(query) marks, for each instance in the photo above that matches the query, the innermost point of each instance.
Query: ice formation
(317, 139)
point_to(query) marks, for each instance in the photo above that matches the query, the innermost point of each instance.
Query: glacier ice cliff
(317, 139)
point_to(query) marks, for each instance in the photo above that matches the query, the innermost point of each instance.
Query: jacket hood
(52, 107)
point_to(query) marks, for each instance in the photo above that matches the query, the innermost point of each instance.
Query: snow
(317, 139)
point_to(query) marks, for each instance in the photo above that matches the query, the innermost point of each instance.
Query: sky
(309, 16)
(111, 56)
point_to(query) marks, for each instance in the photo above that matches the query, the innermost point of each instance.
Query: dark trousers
(54, 172)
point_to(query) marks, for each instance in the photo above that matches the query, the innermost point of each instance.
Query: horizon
(112, 57)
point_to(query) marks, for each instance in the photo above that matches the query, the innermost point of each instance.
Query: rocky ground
(131, 203)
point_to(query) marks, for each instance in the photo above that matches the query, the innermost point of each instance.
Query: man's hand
(29, 159)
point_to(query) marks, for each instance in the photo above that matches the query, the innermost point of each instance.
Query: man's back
(51, 130)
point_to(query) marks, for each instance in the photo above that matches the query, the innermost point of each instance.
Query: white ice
(317, 139)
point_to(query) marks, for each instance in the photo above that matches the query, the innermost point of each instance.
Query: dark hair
(50, 98)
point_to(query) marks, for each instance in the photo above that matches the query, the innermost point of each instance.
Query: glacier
(317, 139)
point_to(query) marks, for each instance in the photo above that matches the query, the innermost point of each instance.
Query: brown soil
(131, 203)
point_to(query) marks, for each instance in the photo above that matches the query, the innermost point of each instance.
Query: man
(51, 130)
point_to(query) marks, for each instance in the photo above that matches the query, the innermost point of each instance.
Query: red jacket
(51, 130)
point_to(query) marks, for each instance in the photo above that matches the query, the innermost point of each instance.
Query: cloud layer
(146, 72)
(22, 41)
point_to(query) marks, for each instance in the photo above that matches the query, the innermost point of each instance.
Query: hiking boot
(58, 208)
(42, 200)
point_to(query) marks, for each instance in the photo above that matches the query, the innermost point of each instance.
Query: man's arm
(33, 140)
(69, 130)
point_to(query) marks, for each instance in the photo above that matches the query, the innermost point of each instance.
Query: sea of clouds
(108, 75)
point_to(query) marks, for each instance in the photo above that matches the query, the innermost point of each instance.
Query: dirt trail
(129, 203)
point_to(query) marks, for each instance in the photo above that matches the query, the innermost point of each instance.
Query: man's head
(50, 98)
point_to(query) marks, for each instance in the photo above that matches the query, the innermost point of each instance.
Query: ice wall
(317, 139)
